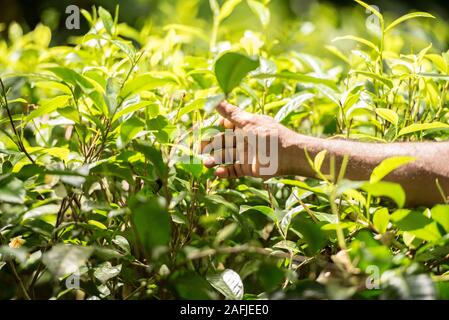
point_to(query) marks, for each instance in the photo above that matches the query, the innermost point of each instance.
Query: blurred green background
(136, 12)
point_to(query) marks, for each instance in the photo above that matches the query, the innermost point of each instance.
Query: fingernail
(208, 162)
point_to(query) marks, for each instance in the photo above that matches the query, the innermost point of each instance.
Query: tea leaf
(151, 220)
(386, 189)
(406, 17)
(293, 105)
(231, 68)
(416, 127)
(380, 220)
(389, 115)
(228, 283)
(387, 166)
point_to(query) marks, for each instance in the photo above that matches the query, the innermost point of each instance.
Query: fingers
(222, 172)
(224, 156)
(230, 166)
(233, 114)
(225, 123)
(219, 142)
(226, 172)
(209, 162)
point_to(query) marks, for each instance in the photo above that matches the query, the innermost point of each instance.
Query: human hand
(252, 145)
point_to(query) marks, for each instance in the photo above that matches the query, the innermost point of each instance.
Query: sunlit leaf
(227, 8)
(293, 105)
(417, 127)
(359, 40)
(106, 18)
(231, 68)
(386, 189)
(406, 17)
(440, 213)
(388, 115)
(381, 219)
(387, 166)
(228, 283)
(106, 271)
(262, 12)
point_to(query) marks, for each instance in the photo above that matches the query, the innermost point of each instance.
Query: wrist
(292, 159)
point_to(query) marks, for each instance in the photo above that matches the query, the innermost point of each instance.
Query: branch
(247, 249)
(19, 139)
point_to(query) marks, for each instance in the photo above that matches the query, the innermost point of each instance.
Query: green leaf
(231, 68)
(106, 271)
(416, 127)
(72, 77)
(151, 220)
(388, 115)
(406, 17)
(267, 211)
(227, 8)
(11, 190)
(122, 243)
(107, 20)
(372, 9)
(440, 213)
(391, 190)
(193, 287)
(65, 259)
(377, 77)
(380, 220)
(435, 76)
(337, 52)
(48, 106)
(262, 12)
(154, 156)
(112, 91)
(359, 40)
(133, 108)
(310, 232)
(217, 199)
(302, 78)
(48, 209)
(387, 166)
(319, 159)
(295, 103)
(417, 224)
(126, 47)
(228, 283)
(303, 185)
(70, 113)
(129, 129)
(148, 81)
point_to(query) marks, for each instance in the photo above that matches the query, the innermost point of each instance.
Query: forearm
(417, 178)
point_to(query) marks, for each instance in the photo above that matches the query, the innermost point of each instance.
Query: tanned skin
(417, 178)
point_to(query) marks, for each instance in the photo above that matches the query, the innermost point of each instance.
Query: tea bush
(102, 190)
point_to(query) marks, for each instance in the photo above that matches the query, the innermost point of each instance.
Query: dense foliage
(103, 195)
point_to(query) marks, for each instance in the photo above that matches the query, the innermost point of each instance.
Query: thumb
(232, 113)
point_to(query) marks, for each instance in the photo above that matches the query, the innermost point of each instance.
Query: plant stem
(19, 142)
(214, 35)
(19, 281)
